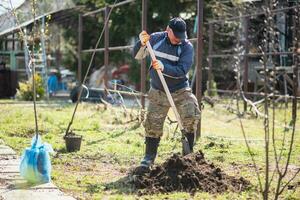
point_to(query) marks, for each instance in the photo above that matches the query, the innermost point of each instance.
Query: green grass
(112, 146)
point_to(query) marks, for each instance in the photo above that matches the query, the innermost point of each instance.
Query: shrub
(25, 92)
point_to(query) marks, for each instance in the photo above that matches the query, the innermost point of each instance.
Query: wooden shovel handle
(165, 86)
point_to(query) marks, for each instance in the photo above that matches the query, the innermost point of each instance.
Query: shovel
(185, 145)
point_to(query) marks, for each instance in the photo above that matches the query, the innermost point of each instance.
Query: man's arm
(140, 51)
(184, 63)
(140, 47)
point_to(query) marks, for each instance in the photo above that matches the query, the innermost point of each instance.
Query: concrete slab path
(13, 187)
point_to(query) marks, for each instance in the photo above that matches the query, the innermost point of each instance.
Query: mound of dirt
(190, 173)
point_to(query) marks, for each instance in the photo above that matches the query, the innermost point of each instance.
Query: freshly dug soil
(190, 173)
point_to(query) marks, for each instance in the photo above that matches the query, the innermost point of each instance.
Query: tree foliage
(125, 25)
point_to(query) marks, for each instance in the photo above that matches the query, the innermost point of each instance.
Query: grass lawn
(112, 145)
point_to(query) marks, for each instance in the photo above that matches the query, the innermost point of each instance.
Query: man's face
(173, 39)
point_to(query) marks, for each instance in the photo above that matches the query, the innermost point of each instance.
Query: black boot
(150, 155)
(191, 138)
(151, 151)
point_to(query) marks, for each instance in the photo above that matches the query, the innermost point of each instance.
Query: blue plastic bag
(35, 165)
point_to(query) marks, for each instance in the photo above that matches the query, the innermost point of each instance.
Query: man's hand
(158, 65)
(144, 37)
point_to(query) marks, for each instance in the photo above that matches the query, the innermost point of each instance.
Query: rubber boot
(150, 155)
(191, 138)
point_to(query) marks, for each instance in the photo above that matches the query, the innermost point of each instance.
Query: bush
(25, 92)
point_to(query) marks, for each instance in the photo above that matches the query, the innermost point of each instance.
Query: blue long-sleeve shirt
(177, 61)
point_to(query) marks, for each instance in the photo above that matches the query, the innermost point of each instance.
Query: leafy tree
(125, 25)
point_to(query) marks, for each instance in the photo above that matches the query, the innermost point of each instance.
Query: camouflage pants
(186, 104)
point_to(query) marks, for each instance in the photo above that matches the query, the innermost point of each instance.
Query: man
(52, 82)
(174, 55)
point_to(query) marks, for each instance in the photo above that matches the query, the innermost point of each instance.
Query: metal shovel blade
(185, 146)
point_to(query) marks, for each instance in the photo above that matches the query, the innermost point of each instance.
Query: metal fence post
(106, 44)
(79, 48)
(143, 63)
(246, 65)
(210, 59)
(200, 5)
